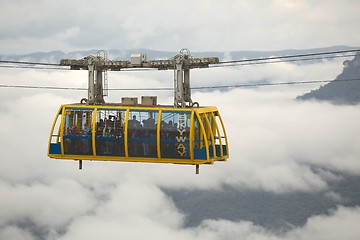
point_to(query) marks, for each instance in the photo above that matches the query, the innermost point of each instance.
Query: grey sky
(204, 25)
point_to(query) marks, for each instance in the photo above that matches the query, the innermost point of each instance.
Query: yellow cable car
(138, 134)
(131, 132)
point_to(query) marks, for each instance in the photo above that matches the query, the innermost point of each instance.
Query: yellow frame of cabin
(212, 138)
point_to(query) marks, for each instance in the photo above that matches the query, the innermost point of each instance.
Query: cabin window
(55, 142)
(220, 140)
(213, 135)
(110, 132)
(198, 134)
(175, 133)
(142, 133)
(77, 131)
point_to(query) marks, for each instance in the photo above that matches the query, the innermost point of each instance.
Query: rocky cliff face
(345, 89)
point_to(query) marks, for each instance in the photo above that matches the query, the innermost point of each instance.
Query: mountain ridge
(116, 54)
(344, 90)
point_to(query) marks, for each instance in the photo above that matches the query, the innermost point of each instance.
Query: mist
(277, 145)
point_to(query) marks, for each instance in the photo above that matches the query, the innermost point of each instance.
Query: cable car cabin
(161, 134)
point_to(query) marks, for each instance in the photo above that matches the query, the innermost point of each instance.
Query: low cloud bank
(277, 145)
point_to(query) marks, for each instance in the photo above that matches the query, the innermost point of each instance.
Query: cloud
(277, 144)
(237, 25)
(11, 232)
(134, 210)
(137, 210)
(317, 227)
(50, 205)
(340, 223)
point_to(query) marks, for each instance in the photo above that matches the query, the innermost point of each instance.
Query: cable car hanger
(184, 133)
(98, 66)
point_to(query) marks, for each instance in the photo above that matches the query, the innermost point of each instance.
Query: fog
(277, 144)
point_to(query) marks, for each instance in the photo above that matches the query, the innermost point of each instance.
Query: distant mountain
(115, 54)
(345, 89)
(267, 209)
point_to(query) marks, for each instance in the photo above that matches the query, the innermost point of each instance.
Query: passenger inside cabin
(134, 123)
(72, 130)
(150, 122)
(86, 130)
(85, 145)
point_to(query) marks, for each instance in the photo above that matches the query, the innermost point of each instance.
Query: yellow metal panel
(62, 127)
(152, 108)
(206, 109)
(211, 135)
(124, 159)
(191, 143)
(202, 129)
(126, 133)
(201, 133)
(158, 135)
(93, 131)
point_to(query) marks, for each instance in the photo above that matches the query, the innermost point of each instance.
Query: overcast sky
(203, 25)
(274, 140)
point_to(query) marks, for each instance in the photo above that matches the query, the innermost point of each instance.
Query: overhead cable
(34, 67)
(291, 56)
(246, 63)
(253, 61)
(193, 88)
(30, 63)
